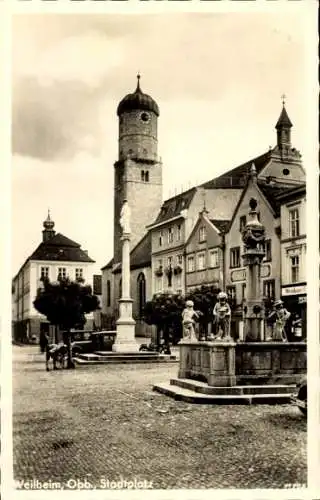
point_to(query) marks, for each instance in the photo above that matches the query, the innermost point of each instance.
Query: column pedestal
(125, 339)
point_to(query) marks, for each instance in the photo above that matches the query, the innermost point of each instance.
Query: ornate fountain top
(254, 232)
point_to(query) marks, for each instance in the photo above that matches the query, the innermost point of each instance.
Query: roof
(109, 265)
(138, 100)
(272, 193)
(222, 225)
(140, 255)
(284, 120)
(60, 248)
(238, 176)
(291, 192)
(173, 206)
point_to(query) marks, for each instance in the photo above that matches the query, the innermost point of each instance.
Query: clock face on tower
(145, 117)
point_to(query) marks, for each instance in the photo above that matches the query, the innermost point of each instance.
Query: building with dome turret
(56, 256)
(160, 258)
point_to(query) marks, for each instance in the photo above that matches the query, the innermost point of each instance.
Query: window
(231, 292)
(269, 290)
(141, 285)
(179, 259)
(295, 263)
(243, 222)
(235, 257)
(79, 273)
(146, 176)
(202, 234)
(201, 261)
(170, 235)
(214, 258)
(44, 272)
(160, 239)
(294, 223)
(266, 247)
(108, 293)
(178, 232)
(244, 286)
(159, 261)
(190, 264)
(62, 273)
(158, 284)
(169, 261)
(178, 280)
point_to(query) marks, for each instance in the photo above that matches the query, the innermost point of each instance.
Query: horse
(56, 352)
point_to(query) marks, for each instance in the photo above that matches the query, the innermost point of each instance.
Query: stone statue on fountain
(125, 216)
(222, 317)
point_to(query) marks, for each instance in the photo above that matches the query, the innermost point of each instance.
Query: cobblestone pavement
(104, 423)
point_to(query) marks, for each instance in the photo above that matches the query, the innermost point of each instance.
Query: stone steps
(108, 357)
(204, 388)
(190, 396)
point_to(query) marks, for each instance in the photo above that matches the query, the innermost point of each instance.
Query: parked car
(90, 341)
(300, 396)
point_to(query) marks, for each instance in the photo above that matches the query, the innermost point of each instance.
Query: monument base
(125, 339)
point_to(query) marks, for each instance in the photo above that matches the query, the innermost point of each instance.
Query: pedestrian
(279, 317)
(188, 321)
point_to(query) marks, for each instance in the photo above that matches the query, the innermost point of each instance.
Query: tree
(65, 304)
(204, 299)
(164, 311)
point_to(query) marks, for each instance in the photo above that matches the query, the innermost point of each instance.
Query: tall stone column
(253, 237)
(125, 339)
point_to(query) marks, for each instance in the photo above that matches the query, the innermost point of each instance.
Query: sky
(217, 78)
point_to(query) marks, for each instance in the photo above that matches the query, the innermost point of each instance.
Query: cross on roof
(283, 97)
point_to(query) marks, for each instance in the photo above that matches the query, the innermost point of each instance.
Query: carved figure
(125, 216)
(279, 318)
(222, 316)
(188, 321)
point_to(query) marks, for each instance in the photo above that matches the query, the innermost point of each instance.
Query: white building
(56, 256)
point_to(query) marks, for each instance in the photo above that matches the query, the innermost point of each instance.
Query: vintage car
(90, 341)
(300, 397)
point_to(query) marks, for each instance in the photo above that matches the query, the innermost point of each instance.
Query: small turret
(48, 231)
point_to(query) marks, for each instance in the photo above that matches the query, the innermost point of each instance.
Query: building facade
(57, 256)
(205, 253)
(293, 252)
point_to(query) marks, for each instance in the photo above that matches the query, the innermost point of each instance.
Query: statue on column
(125, 217)
(279, 318)
(188, 320)
(222, 316)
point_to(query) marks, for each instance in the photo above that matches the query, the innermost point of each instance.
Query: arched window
(142, 175)
(141, 282)
(108, 293)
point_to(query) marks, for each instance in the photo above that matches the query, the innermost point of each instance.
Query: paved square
(104, 423)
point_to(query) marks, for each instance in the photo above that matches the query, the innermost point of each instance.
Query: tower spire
(138, 89)
(283, 127)
(48, 231)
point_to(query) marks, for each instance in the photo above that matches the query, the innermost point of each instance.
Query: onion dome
(48, 223)
(138, 100)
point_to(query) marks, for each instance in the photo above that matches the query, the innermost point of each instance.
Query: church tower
(138, 171)
(48, 231)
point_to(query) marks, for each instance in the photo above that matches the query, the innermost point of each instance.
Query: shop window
(235, 257)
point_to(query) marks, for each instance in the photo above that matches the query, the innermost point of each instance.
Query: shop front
(295, 301)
